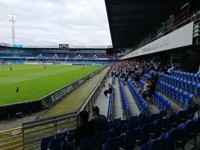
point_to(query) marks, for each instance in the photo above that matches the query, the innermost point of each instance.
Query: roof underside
(132, 20)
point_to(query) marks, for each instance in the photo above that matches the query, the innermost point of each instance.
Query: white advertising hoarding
(179, 38)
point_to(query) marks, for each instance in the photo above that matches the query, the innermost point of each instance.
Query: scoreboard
(64, 46)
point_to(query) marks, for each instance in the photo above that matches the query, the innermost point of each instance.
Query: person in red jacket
(10, 67)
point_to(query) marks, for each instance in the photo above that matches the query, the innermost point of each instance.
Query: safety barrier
(11, 139)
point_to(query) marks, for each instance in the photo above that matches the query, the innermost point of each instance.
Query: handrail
(11, 139)
(35, 123)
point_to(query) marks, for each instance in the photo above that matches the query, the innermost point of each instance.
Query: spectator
(109, 90)
(100, 121)
(85, 130)
(148, 89)
(198, 72)
(136, 76)
(154, 77)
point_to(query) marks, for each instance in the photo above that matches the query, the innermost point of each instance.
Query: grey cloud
(56, 21)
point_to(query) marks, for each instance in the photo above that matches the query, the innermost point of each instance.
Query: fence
(11, 139)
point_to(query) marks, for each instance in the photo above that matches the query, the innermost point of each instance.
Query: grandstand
(153, 68)
(87, 56)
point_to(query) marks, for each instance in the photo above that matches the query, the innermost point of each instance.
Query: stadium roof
(132, 20)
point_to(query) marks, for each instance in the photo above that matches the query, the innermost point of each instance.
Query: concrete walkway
(117, 108)
(102, 101)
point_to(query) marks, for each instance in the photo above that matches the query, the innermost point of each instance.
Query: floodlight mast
(13, 19)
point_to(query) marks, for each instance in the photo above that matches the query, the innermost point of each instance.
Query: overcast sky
(52, 22)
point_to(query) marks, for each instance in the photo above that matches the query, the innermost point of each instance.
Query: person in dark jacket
(100, 121)
(109, 90)
(86, 128)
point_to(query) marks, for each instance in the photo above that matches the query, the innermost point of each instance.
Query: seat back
(56, 144)
(88, 143)
(114, 143)
(156, 145)
(105, 136)
(45, 142)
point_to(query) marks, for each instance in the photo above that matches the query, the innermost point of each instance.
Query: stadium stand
(156, 127)
(176, 94)
(72, 56)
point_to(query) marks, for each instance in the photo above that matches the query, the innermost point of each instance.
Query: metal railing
(11, 139)
(34, 131)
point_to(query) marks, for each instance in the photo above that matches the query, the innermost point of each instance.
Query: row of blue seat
(136, 128)
(54, 142)
(124, 101)
(141, 83)
(142, 105)
(59, 142)
(182, 97)
(177, 137)
(118, 127)
(160, 101)
(158, 130)
(146, 76)
(110, 106)
(187, 85)
(186, 75)
(111, 101)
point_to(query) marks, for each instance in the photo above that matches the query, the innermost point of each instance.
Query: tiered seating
(147, 132)
(187, 85)
(160, 101)
(141, 129)
(182, 97)
(55, 141)
(186, 75)
(124, 102)
(190, 82)
(142, 105)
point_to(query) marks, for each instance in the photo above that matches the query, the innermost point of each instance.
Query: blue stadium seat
(114, 143)
(105, 136)
(88, 143)
(119, 130)
(56, 143)
(145, 132)
(197, 89)
(169, 139)
(130, 139)
(153, 145)
(45, 142)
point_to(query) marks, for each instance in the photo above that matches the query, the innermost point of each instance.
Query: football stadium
(137, 88)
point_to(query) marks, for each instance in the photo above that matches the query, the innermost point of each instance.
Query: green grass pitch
(34, 82)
